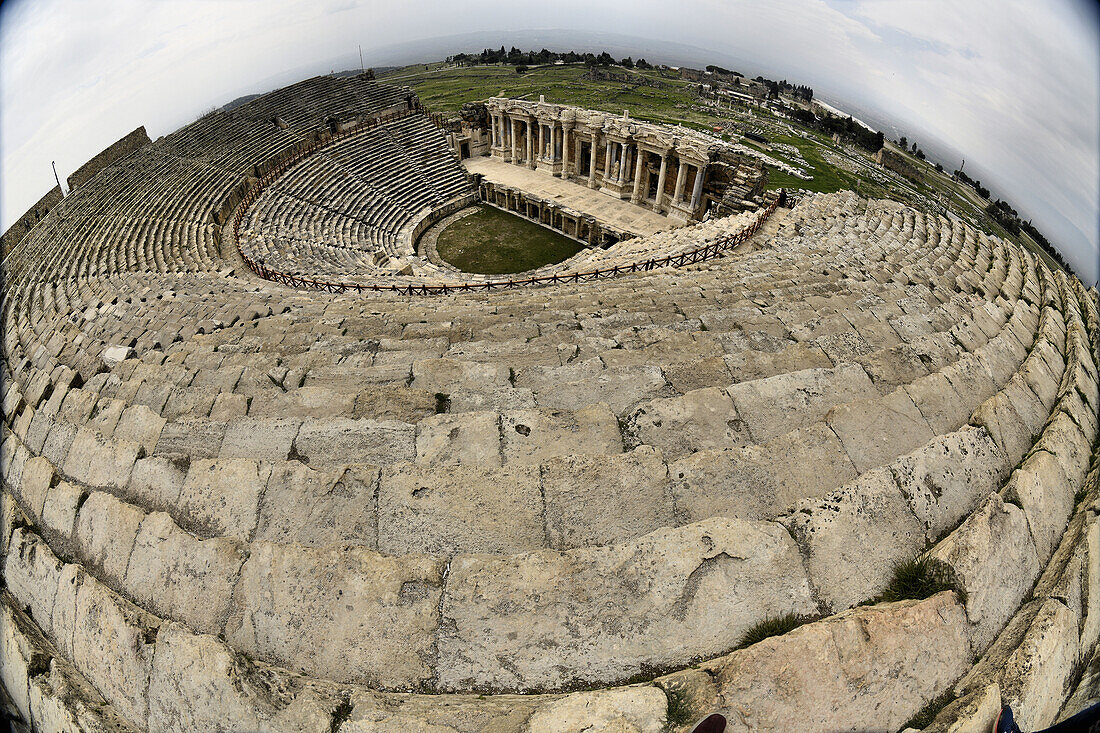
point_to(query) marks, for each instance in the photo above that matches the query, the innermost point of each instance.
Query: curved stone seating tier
(232, 505)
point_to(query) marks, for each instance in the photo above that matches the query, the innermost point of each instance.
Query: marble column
(681, 172)
(530, 143)
(660, 199)
(564, 152)
(639, 159)
(515, 136)
(592, 163)
(697, 189)
(622, 164)
(607, 162)
(542, 141)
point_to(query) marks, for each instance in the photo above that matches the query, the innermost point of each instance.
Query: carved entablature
(690, 145)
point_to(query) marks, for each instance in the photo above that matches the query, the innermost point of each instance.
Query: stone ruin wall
(25, 223)
(121, 148)
(890, 160)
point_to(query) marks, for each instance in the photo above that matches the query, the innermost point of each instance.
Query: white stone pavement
(606, 209)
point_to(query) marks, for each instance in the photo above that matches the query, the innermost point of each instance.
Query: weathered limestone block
(679, 426)
(679, 594)
(31, 573)
(448, 375)
(1027, 405)
(22, 658)
(442, 510)
(1001, 357)
(993, 558)
(1063, 438)
(228, 406)
(37, 478)
(195, 438)
(760, 482)
(177, 575)
(64, 618)
(320, 507)
(1090, 580)
(853, 537)
(379, 713)
(945, 479)
(467, 437)
(969, 377)
(57, 444)
(498, 399)
(113, 646)
(776, 405)
(222, 497)
(198, 684)
(604, 500)
(342, 440)
(1039, 379)
(1036, 675)
(343, 613)
(942, 407)
(1040, 486)
(105, 532)
(1086, 418)
(619, 387)
(302, 403)
(893, 367)
(259, 438)
(58, 521)
(876, 431)
(866, 668)
(620, 710)
(746, 365)
(11, 516)
(13, 457)
(808, 462)
(739, 483)
(1087, 691)
(156, 481)
(1004, 424)
(972, 713)
(64, 701)
(533, 436)
(138, 424)
(390, 402)
(94, 461)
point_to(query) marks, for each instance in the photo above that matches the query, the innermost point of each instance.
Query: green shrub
(772, 626)
(919, 578)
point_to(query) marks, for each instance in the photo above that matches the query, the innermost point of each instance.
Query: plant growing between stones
(919, 578)
(772, 626)
(678, 711)
(926, 715)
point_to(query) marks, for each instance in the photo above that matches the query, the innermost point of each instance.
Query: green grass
(772, 626)
(494, 242)
(678, 710)
(922, 577)
(447, 90)
(928, 713)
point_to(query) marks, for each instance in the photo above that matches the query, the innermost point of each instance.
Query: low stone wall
(570, 222)
(25, 223)
(120, 149)
(410, 235)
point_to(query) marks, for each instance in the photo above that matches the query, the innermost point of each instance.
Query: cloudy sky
(1014, 86)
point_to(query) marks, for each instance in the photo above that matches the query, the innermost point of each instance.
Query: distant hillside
(239, 101)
